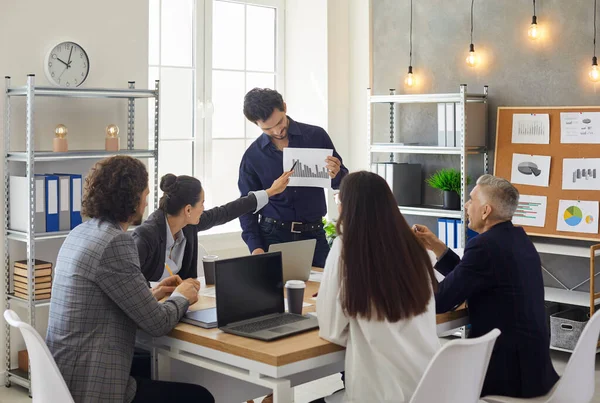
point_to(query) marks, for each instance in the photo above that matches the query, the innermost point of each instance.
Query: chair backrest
(456, 372)
(577, 383)
(47, 383)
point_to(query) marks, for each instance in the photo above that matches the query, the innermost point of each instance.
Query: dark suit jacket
(150, 237)
(500, 277)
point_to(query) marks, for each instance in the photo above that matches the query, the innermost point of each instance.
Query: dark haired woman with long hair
(376, 296)
(168, 240)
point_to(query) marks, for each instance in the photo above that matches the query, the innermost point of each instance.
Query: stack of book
(42, 272)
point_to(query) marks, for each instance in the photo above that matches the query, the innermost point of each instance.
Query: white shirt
(384, 361)
(175, 249)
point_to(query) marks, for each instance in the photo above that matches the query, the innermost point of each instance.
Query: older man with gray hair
(500, 278)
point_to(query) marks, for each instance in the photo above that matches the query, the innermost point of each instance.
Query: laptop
(297, 258)
(249, 293)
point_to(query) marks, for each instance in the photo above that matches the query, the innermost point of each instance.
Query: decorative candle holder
(112, 142)
(59, 145)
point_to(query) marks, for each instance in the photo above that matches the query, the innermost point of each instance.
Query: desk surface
(279, 352)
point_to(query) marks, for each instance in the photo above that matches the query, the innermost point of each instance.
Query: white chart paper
(310, 169)
(577, 216)
(531, 211)
(580, 127)
(581, 174)
(531, 169)
(531, 128)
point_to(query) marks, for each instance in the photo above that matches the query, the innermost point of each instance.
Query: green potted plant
(330, 231)
(448, 180)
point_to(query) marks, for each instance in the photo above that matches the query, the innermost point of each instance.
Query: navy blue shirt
(262, 163)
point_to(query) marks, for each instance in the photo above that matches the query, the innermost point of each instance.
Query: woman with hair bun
(167, 241)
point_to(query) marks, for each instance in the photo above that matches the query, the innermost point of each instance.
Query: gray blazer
(99, 299)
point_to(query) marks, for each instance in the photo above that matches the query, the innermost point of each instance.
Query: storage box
(404, 179)
(23, 360)
(566, 327)
(551, 309)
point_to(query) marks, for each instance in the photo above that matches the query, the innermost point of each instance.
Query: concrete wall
(519, 72)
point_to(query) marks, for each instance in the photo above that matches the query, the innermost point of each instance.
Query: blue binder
(75, 194)
(51, 202)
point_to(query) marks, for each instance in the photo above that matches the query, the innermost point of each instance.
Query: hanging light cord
(411, 20)
(595, 1)
(472, 2)
(534, 8)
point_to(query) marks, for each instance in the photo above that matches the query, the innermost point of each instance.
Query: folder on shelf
(381, 170)
(64, 199)
(52, 216)
(460, 228)
(37, 264)
(19, 202)
(36, 292)
(442, 230)
(451, 233)
(441, 124)
(451, 124)
(75, 194)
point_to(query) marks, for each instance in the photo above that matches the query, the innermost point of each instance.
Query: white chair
(577, 383)
(456, 372)
(47, 383)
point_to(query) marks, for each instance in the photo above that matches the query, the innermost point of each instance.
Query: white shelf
(83, 92)
(40, 156)
(424, 98)
(578, 298)
(568, 351)
(430, 211)
(39, 302)
(19, 377)
(42, 236)
(557, 249)
(422, 149)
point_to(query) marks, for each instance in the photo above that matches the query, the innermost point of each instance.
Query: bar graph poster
(531, 128)
(310, 169)
(531, 211)
(581, 174)
(577, 216)
(580, 127)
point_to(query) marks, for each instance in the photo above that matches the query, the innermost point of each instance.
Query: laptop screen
(248, 287)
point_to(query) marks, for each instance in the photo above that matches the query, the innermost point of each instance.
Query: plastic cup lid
(210, 258)
(295, 284)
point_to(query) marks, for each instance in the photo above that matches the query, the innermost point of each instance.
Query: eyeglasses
(337, 199)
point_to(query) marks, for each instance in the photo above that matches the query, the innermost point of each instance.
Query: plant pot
(451, 200)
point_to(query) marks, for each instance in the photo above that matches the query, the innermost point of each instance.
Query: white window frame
(204, 103)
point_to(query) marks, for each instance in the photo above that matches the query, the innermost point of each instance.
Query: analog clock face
(67, 65)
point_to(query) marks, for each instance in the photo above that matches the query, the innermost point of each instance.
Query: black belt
(293, 226)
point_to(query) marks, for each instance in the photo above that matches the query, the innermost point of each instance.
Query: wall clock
(67, 65)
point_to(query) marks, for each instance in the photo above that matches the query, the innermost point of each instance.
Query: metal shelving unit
(30, 156)
(460, 99)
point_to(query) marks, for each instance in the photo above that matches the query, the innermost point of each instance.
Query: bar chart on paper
(581, 174)
(310, 167)
(531, 211)
(304, 171)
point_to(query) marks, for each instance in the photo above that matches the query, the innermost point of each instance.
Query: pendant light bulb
(594, 73)
(410, 79)
(533, 31)
(472, 58)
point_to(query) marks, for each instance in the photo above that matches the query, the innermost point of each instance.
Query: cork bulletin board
(505, 149)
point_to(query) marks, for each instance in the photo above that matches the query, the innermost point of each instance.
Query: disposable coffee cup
(295, 295)
(208, 262)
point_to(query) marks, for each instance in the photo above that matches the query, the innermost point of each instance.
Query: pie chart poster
(577, 216)
(531, 170)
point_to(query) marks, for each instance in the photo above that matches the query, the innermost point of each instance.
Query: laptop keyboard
(268, 323)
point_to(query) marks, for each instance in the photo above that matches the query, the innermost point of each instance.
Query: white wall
(115, 35)
(306, 90)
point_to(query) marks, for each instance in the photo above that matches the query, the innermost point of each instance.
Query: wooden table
(244, 368)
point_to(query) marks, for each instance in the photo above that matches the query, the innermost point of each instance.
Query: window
(204, 75)
(171, 60)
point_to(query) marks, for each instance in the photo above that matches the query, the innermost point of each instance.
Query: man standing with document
(296, 214)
